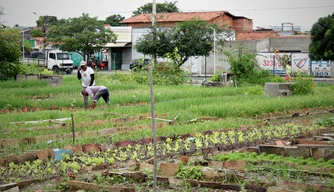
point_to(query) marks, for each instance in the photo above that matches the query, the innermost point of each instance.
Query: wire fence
(39, 62)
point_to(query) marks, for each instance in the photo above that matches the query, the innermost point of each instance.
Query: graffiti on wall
(320, 68)
(270, 62)
(300, 63)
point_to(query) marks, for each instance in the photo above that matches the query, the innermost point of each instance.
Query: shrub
(10, 53)
(277, 78)
(216, 77)
(34, 69)
(243, 63)
(9, 70)
(121, 77)
(326, 121)
(259, 77)
(303, 85)
(163, 74)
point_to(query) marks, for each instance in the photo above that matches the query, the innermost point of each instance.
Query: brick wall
(242, 25)
(236, 23)
(227, 20)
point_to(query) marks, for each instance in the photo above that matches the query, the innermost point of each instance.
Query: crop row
(164, 149)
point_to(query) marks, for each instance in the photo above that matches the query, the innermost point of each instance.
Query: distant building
(236, 23)
(286, 29)
(141, 25)
(257, 34)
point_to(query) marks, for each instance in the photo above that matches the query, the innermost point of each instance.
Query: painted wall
(291, 44)
(136, 34)
(263, 45)
(300, 63)
(126, 58)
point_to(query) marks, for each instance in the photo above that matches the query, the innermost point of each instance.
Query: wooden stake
(73, 128)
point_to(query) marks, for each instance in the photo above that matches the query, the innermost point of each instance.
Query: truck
(57, 60)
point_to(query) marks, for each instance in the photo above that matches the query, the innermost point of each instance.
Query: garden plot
(202, 167)
(112, 147)
(61, 130)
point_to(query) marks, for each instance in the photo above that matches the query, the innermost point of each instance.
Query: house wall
(221, 59)
(289, 44)
(263, 45)
(139, 25)
(227, 20)
(136, 34)
(126, 58)
(242, 25)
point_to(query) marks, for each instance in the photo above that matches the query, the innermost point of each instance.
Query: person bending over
(95, 93)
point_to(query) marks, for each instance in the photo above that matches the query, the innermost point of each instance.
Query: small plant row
(210, 139)
(275, 167)
(254, 158)
(140, 152)
(38, 136)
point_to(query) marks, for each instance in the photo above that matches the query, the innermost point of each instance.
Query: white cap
(82, 63)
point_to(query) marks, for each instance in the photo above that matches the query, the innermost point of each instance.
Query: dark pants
(104, 94)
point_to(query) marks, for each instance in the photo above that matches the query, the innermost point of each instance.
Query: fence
(52, 79)
(39, 62)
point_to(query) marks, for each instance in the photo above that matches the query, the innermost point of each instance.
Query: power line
(197, 10)
(285, 8)
(250, 9)
(16, 20)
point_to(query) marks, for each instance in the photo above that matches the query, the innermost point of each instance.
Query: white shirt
(85, 77)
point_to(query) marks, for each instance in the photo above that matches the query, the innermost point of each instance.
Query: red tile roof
(256, 35)
(177, 17)
(295, 37)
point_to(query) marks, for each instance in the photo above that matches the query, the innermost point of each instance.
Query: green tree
(243, 63)
(10, 53)
(322, 39)
(83, 34)
(48, 20)
(189, 38)
(160, 8)
(114, 19)
(36, 33)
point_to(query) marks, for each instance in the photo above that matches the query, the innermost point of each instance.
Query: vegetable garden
(208, 137)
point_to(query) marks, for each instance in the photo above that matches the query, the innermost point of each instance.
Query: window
(63, 56)
(52, 56)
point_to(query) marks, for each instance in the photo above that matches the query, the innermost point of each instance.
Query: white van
(57, 60)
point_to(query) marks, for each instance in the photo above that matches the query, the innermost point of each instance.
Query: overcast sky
(264, 13)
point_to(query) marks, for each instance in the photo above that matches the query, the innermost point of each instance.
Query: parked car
(139, 63)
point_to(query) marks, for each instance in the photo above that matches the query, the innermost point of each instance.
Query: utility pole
(22, 47)
(23, 38)
(44, 32)
(44, 38)
(154, 12)
(214, 50)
